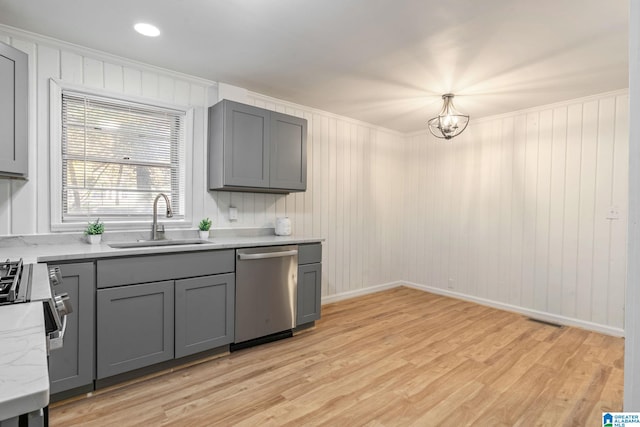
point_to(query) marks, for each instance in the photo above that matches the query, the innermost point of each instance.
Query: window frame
(56, 87)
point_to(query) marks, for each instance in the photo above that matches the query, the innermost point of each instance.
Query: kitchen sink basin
(153, 243)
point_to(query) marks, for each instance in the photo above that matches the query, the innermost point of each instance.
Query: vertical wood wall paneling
(48, 65)
(323, 172)
(543, 200)
(571, 210)
(586, 223)
(517, 211)
(113, 78)
(505, 215)
(93, 72)
(519, 208)
(24, 207)
(556, 210)
(514, 210)
(619, 200)
(602, 225)
(197, 98)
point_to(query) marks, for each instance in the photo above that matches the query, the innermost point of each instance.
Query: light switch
(233, 214)
(613, 212)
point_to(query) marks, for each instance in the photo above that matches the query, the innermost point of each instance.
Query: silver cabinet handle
(268, 255)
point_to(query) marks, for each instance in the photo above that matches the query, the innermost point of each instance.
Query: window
(116, 156)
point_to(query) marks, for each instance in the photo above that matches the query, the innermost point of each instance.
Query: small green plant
(96, 227)
(205, 224)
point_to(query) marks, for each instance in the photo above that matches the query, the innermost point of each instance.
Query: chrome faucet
(157, 231)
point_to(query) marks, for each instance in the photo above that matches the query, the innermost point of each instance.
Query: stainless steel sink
(152, 243)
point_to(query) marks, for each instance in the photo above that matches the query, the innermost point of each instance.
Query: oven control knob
(55, 276)
(63, 304)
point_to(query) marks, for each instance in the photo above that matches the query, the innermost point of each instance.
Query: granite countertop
(24, 376)
(48, 249)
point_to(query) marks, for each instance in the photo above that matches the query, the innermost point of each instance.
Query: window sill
(122, 225)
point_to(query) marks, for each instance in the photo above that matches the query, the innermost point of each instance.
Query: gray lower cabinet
(204, 309)
(13, 112)
(72, 366)
(135, 327)
(309, 283)
(309, 293)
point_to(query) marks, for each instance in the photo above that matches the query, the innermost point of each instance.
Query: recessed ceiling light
(147, 29)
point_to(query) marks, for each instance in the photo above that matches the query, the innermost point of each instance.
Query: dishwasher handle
(265, 255)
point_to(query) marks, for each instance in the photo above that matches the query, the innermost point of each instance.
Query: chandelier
(449, 122)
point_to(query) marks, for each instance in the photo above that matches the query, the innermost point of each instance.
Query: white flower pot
(204, 235)
(94, 239)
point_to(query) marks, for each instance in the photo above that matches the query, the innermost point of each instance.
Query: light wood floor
(399, 357)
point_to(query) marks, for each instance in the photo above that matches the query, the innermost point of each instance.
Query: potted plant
(203, 228)
(94, 231)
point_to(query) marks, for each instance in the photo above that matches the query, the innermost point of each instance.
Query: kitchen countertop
(24, 376)
(31, 252)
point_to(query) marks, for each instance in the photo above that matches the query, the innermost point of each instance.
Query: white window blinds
(117, 156)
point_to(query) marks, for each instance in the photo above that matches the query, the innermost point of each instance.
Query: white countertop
(24, 375)
(30, 252)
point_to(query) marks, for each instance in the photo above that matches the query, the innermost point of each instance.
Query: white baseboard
(359, 292)
(534, 314)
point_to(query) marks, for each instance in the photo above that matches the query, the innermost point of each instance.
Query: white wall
(354, 169)
(514, 211)
(24, 205)
(354, 186)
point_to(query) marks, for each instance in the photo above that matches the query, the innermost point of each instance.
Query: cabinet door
(246, 145)
(204, 313)
(288, 152)
(13, 111)
(135, 327)
(72, 365)
(309, 293)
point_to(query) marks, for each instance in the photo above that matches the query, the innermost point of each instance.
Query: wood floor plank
(400, 357)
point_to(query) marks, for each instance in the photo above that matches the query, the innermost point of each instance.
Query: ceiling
(385, 62)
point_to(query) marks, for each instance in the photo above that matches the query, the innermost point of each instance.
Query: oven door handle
(56, 339)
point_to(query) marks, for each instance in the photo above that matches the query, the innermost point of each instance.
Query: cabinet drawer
(309, 254)
(143, 269)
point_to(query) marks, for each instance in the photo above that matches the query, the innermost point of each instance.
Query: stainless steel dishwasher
(266, 281)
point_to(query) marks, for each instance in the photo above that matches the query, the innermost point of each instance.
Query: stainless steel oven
(21, 283)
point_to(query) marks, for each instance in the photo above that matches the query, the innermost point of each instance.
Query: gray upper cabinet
(257, 150)
(288, 165)
(13, 112)
(72, 366)
(246, 148)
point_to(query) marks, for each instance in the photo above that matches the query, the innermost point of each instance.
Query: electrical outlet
(613, 212)
(450, 285)
(233, 214)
